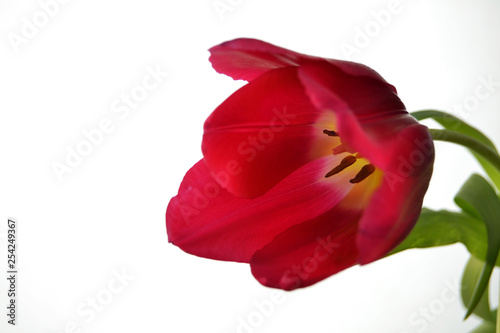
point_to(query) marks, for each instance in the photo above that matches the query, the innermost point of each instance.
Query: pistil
(365, 171)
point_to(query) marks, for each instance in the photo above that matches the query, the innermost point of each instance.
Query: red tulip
(312, 167)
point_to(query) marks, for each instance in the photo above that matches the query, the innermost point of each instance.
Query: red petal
(371, 120)
(396, 205)
(262, 133)
(309, 252)
(246, 59)
(205, 220)
(369, 113)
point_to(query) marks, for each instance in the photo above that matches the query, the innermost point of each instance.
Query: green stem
(498, 318)
(464, 140)
(480, 148)
(498, 322)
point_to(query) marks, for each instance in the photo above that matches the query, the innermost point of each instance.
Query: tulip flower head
(310, 168)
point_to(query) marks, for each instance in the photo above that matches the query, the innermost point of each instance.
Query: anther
(365, 171)
(347, 161)
(330, 133)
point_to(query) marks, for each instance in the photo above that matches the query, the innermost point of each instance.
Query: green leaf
(439, 228)
(453, 123)
(469, 281)
(486, 327)
(479, 199)
(490, 170)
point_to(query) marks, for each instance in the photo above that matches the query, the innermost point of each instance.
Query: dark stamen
(330, 133)
(365, 171)
(347, 161)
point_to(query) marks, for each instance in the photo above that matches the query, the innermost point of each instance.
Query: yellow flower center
(365, 171)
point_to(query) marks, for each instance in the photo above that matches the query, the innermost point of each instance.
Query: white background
(106, 216)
